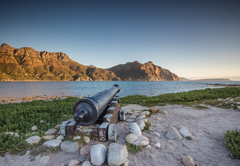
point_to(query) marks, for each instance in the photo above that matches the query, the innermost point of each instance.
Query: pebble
(44, 160)
(157, 134)
(154, 109)
(73, 163)
(130, 120)
(58, 126)
(11, 133)
(69, 146)
(98, 154)
(53, 143)
(185, 132)
(188, 161)
(151, 156)
(33, 140)
(132, 117)
(61, 164)
(141, 117)
(50, 132)
(145, 113)
(173, 134)
(134, 129)
(157, 145)
(148, 147)
(141, 124)
(34, 128)
(86, 139)
(117, 154)
(49, 137)
(60, 137)
(86, 163)
(77, 138)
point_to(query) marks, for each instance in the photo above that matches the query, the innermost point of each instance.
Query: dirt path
(207, 125)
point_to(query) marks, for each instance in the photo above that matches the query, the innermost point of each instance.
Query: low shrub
(232, 139)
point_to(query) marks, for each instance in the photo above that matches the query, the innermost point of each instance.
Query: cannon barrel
(86, 111)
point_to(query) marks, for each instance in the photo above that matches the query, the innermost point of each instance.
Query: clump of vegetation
(20, 117)
(147, 126)
(189, 138)
(233, 143)
(183, 97)
(133, 148)
(201, 107)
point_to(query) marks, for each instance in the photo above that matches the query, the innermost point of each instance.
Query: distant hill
(184, 79)
(136, 71)
(213, 79)
(27, 64)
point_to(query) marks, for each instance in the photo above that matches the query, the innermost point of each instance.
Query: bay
(18, 90)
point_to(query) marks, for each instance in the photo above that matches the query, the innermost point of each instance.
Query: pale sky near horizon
(193, 39)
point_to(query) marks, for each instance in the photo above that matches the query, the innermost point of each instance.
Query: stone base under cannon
(105, 127)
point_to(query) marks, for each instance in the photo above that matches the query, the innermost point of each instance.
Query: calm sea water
(17, 90)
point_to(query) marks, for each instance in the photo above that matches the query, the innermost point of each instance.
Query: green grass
(133, 148)
(232, 139)
(185, 98)
(20, 117)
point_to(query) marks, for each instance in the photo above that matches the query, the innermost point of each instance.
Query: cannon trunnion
(97, 115)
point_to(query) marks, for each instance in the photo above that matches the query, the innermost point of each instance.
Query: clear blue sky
(193, 39)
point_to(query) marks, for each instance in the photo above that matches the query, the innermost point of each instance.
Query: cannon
(86, 111)
(96, 115)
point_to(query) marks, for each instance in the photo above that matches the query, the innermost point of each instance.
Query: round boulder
(69, 146)
(117, 154)
(98, 154)
(134, 129)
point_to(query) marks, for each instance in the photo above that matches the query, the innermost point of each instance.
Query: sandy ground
(207, 125)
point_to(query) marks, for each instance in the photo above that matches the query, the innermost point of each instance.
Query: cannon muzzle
(86, 111)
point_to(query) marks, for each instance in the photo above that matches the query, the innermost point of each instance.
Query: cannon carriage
(96, 115)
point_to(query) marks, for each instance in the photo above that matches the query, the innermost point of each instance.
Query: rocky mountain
(136, 71)
(27, 64)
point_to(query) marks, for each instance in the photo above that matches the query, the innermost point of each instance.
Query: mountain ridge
(27, 64)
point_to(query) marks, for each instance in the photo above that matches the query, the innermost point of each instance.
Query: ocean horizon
(19, 90)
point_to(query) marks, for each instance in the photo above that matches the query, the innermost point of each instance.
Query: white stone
(238, 107)
(73, 163)
(231, 100)
(238, 103)
(69, 146)
(157, 145)
(188, 161)
(141, 117)
(238, 129)
(142, 141)
(33, 140)
(34, 128)
(60, 137)
(126, 163)
(145, 113)
(141, 124)
(77, 137)
(86, 163)
(117, 154)
(50, 132)
(49, 137)
(185, 132)
(157, 134)
(131, 138)
(130, 120)
(98, 154)
(63, 126)
(148, 147)
(173, 134)
(12, 133)
(132, 117)
(136, 139)
(44, 160)
(53, 143)
(134, 129)
(86, 139)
